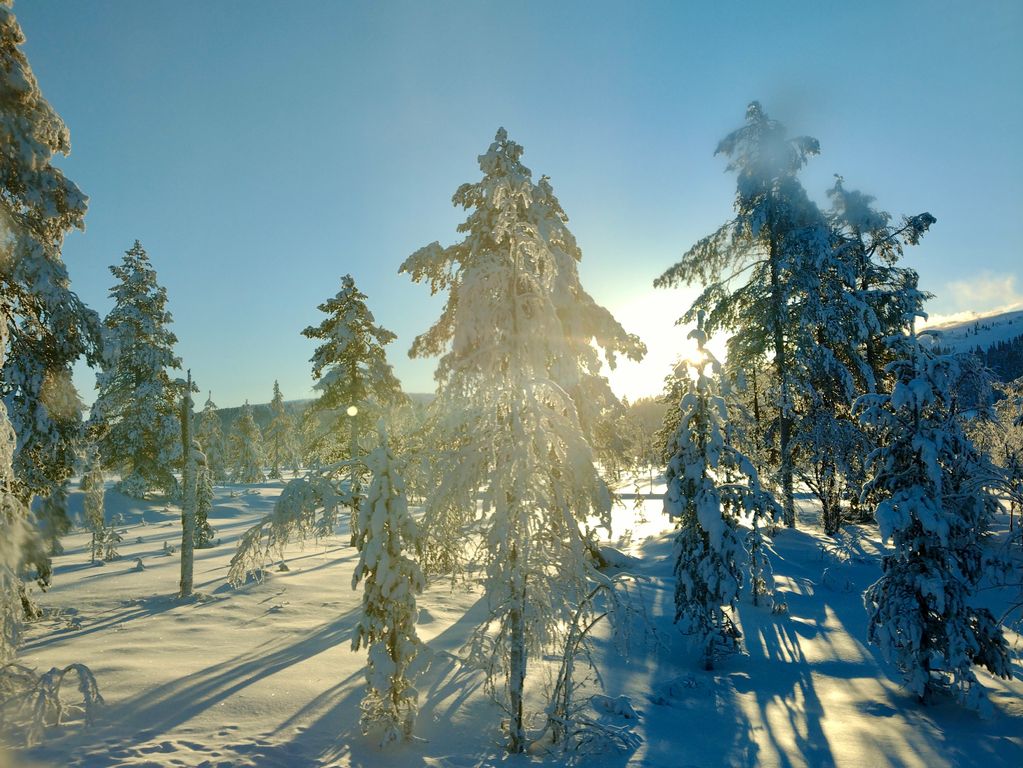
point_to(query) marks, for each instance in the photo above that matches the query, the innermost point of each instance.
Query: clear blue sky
(261, 150)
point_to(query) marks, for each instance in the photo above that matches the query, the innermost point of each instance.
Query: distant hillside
(422, 398)
(996, 339)
(261, 412)
(983, 332)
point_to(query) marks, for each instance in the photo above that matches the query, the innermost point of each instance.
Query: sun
(652, 316)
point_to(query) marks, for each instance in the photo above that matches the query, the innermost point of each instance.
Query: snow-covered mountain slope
(983, 332)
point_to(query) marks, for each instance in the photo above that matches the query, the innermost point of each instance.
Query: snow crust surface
(263, 675)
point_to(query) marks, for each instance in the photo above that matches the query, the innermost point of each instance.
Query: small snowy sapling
(384, 536)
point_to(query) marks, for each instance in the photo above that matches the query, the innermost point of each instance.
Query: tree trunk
(517, 655)
(756, 407)
(187, 494)
(352, 447)
(781, 369)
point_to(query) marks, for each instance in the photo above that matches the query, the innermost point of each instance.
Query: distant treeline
(294, 408)
(1004, 358)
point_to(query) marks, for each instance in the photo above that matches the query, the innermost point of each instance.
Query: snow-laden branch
(308, 506)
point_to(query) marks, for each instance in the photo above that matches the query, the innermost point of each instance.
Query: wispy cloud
(986, 294)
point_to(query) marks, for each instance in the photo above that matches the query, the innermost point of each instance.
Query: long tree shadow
(788, 692)
(678, 689)
(813, 674)
(156, 711)
(135, 609)
(942, 730)
(341, 553)
(326, 730)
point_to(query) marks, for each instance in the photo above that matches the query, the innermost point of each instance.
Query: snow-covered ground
(263, 676)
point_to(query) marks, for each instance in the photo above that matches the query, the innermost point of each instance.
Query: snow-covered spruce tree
(935, 511)
(279, 439)
(385, 532)
(44, 328)
(710, 484)
(94, 489)
(47, 327)
(137, 400)
(309, 431)
(14, 529)
(210, 435)
(351, 372)
(865, 239)
(1010, 455)
(514, 475)
(776, 234)
(204, 532)
(999, 434)
(828, 332)
(741, 435)
(246, 448)
(675, 386)
(852, 298)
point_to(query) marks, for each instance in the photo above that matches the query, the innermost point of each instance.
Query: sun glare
(652, 316)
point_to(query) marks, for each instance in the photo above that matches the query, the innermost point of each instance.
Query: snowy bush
(307, 506)
(31, 703)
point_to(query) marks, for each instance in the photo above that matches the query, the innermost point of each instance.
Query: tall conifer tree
(510, 443)
(45, 326)
(248, 455)
(210, 435)
(934, 508)
(776, 234)
(279, 438)
(94, 489)
(137, 401)
(352, 374)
